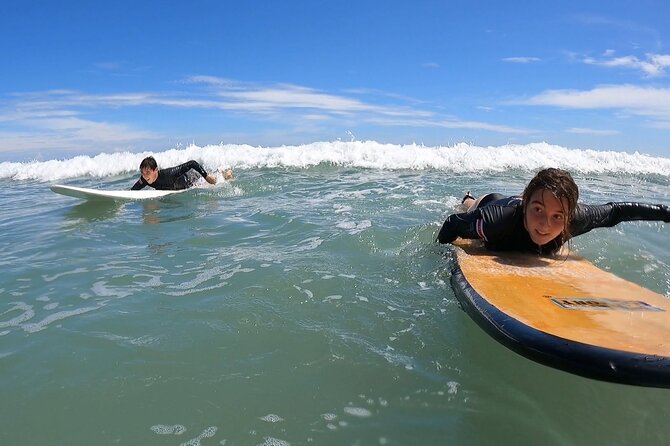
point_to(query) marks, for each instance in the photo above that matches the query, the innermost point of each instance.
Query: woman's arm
(588, 217)
(459, 225)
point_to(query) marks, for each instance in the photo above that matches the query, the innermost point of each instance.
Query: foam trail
(459, 158)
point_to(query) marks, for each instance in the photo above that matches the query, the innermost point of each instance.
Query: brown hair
(148, 163)
(560, 183)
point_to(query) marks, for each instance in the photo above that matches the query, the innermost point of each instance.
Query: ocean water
(305, 302)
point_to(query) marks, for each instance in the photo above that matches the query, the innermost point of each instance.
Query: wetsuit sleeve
(588, 217)
(198, 168)
(178, 171)
(139, 184)
(493, 223)
(183, 168)
(459, 225)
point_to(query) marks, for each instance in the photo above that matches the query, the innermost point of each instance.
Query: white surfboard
(97, 194)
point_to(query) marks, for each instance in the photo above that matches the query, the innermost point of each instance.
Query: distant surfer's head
(149, 169)
(549, 203)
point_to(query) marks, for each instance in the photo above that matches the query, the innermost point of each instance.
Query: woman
(545, 217)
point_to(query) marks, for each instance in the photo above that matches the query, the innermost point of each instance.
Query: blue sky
(94, 76)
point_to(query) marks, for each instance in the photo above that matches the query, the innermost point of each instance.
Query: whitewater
(304, 302)
(363, 154)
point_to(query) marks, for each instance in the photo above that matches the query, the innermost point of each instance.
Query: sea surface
(305, 302)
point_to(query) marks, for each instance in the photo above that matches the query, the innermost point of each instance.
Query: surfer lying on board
(545, 217)
(179, 177)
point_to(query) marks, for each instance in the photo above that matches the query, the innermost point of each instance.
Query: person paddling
(179, 177)
(543, 218)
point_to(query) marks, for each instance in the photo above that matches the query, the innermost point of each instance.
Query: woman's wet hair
(560, 183)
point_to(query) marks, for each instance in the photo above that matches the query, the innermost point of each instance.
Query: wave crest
(459, 158)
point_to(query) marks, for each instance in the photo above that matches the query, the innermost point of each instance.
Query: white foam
(220, 274)
(41, 325)
(340, 208)
(453, 387)
(207, 433)
(272, 418)
(101, 289)
(57, 276)
(270, 441)
(458, 158)
(162, 429)
(357, 412)
(308, 244)
(28, 313)
(353, 227)
(304, 290)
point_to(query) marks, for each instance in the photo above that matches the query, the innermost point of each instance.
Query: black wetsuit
(499, 223)
(174, 178)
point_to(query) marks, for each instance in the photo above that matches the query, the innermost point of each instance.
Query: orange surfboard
(567, 313)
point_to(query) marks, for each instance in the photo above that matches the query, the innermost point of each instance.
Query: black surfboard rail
(574, 357)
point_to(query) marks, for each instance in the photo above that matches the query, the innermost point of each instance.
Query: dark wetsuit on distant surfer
(499, 222)
(179, 177)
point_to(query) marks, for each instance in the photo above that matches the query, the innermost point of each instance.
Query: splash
(459, 158)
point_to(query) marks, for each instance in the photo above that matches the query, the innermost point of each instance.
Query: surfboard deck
(567, 313)
(97, 194)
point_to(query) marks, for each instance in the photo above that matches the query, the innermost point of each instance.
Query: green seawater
(291, 306)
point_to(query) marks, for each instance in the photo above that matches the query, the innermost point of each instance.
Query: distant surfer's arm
(211, 179)
(588, 217)
(139, 184)
(181, 169)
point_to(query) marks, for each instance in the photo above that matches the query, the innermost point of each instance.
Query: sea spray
(459, 158)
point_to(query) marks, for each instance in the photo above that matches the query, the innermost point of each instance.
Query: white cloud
(86, 130)
(449, 124)
(664, 125)
(608, 96)
(61, 118)
(315, 117)
(290, 96)
(623, 27)
(522, 59)
(227, 96)
(210, 80)
(72, 134)
(587, 131)
(654, 65)
(650, 102)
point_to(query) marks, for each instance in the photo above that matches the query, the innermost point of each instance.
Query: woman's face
(545, 216)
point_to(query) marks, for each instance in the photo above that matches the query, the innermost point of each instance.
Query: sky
(84, 77)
